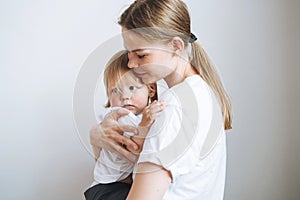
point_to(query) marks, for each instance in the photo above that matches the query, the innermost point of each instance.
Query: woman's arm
(96, 151)
(150, 183)
(109, 135)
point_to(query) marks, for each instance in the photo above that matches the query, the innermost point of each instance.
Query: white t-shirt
(109, 167)
(188, 139)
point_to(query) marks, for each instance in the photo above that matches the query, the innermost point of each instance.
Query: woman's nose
(131, 61)
(132, 64)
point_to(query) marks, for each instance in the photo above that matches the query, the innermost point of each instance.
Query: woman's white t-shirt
(188, 139)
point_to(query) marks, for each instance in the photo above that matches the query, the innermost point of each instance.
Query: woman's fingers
(113, 140)
(125, 140)
(109, 135)
(116, 114)
(118, 144)
(123, 152)
(128, 128)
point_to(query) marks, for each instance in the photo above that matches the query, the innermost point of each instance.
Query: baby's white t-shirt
(109, 167)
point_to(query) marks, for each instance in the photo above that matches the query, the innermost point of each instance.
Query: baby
(124, 91)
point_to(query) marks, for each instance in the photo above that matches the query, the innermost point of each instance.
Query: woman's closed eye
(141, 56)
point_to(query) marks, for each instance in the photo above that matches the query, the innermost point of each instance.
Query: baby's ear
(152, 89)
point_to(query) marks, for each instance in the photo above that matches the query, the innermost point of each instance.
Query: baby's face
(129, 93)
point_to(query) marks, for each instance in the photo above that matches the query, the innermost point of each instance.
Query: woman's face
(150, 62)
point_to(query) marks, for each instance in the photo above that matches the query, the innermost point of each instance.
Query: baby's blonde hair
(168, 19)
(115, 68)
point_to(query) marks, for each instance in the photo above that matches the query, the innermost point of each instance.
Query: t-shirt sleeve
(177, 135)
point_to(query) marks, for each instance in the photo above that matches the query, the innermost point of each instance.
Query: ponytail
(202, 64)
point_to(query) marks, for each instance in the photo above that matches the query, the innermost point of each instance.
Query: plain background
(255, 45)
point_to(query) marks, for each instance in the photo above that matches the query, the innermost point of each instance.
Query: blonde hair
(167, 19)
(115, 69)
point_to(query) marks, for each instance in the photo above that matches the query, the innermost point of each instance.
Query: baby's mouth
(129, 106)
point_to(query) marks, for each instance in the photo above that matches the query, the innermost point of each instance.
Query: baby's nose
(126, 94)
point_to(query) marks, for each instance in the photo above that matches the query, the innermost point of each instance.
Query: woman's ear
(177, 44)
(152, 89)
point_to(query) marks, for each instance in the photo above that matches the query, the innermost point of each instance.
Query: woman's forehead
(134, 42)
(140, 45)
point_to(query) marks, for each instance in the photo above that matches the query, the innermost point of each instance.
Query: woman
(184, 154)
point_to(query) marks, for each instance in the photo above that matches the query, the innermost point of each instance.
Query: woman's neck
(182, 71)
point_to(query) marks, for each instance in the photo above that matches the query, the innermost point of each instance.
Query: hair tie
(193, 38)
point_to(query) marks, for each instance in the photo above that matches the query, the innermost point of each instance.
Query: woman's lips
(139, 74)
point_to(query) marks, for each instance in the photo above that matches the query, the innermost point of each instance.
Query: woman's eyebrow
(147, 49)
(135, 50)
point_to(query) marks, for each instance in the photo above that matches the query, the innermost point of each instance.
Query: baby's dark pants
(110, 191)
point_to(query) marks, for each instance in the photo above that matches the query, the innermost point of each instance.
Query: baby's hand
(151, 112)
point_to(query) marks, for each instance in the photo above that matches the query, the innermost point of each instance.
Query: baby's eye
(115, 90)
(132, 88)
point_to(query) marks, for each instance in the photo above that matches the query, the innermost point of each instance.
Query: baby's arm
(149, 115)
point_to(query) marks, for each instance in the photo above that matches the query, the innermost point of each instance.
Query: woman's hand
(109, 135)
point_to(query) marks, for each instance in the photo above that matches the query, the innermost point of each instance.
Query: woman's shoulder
(196, 81)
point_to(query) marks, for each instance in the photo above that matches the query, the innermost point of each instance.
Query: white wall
(255, 45)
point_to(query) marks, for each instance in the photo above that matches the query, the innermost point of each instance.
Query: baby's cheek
(141, 100)
(115, 102)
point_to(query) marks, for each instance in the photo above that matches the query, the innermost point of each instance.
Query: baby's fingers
(156, 107)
